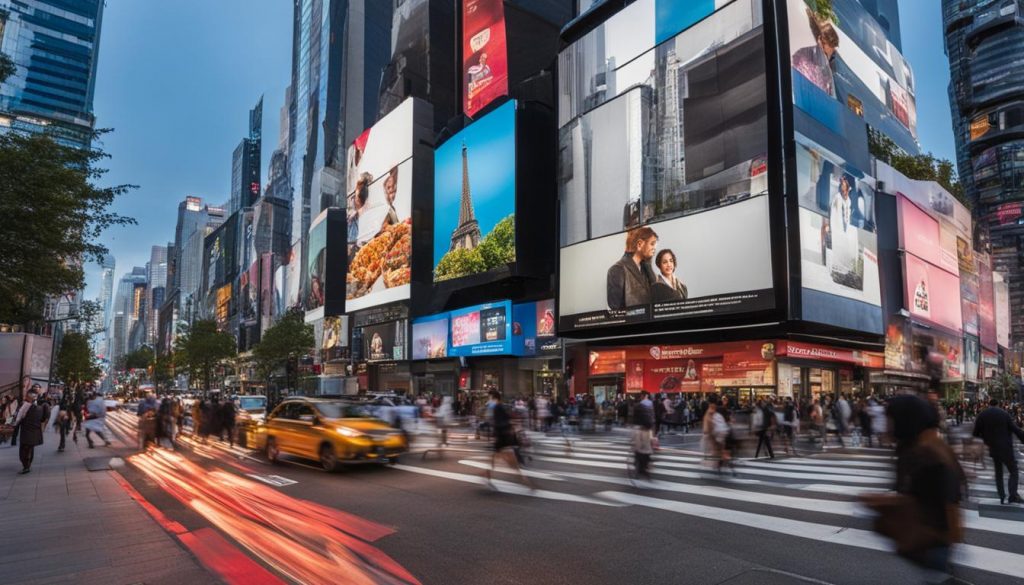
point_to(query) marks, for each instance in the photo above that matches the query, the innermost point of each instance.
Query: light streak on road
(305, 541)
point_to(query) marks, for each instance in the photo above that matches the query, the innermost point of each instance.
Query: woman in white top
(667, 287)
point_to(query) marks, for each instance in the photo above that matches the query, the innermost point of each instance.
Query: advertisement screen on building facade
(923, 236)
(223, 306)
(316, 268)
(1001, 299)
(484, 54)
(385, 342)
(838, 243)
(986, 303)
(841, 59)
(972, 358)
(249, 293)
(334, 339)
(475, 197)
(482, 330)
(430, 337)
(931, 293)
(969, 303)
(661, 238)
(379, 212)
(268, 292)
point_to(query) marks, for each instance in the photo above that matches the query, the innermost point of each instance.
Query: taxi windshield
(252, 402)
(343, 410)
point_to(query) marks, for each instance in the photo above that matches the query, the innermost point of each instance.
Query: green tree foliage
(823, 10)
(7, 68)
(201, 349)
(75, 365)
(496, 249)
(139, 359)
(286, 341)
(1003, 387)
(162, 369)
(53, 215)
(922, 167)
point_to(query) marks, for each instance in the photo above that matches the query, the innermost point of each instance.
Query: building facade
(55, 45)
(984, 40)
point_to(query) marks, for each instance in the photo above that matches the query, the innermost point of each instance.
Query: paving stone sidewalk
(62, 523)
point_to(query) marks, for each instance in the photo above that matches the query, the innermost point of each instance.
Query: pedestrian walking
(923, 516)
(227, 421)
(29, 420)
(764, 426)
(96, 419)
(63, 420)
(644, 443)
(504, 438)
(995, 426)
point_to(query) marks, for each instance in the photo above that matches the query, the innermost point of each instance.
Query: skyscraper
(156, 289)
(984, 40)
(101, 343)
(54, 44)
(245, 163)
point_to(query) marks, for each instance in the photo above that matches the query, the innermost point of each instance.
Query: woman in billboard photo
(390, 192)
(631, 278)
(666, 286)
(815, 62)
(842, 233)
(355, 209)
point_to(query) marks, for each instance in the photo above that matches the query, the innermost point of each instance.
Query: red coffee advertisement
(671, 376)
(484, 54)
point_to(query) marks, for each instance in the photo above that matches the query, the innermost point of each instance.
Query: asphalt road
(789, 521)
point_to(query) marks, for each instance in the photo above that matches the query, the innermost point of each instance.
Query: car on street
(334, 432)
(250, 412)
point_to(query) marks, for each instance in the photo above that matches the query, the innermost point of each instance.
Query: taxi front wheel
(328, 459)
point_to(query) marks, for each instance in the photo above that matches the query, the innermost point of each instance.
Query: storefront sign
(634, 375)
(603, 362)
(671, 376)
(795, 349)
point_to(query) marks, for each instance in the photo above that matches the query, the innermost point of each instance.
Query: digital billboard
(1001, 300)
(316, 267)
(842, 60)
(986, 304)
(663, 177)
(249, 293)
(932, 293)
(475, 197)
(484, 54)
(481, 330)
(385, 342)
(430, 337)
(923, 236)
(838, 243)
(379, 212)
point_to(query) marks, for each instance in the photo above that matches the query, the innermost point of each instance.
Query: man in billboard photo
(842, 233)
(666, 286)
(630, 279)
(815, 62)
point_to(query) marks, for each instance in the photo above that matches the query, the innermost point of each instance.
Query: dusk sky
(176, 81)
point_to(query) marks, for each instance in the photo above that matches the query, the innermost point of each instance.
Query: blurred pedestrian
(764, 426)
(227, 421)
(995, 426)
(504, 438)
(96, 419)
(644, 443)
(63, 421)
(29, 420)
(923, 516)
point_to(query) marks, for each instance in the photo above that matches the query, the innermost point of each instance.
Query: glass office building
(985, 46)
(54, 44)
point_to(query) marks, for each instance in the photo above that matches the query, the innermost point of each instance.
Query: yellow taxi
(335, 432)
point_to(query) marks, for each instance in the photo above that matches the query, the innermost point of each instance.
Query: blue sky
(492, 151)
(176, 81)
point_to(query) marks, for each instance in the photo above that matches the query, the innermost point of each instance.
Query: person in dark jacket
(227, 421)
(30, 420)
(997, 429)
(765, 429)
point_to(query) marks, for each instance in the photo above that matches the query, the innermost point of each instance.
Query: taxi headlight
(350, 433)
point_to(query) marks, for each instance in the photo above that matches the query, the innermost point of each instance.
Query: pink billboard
(932, 293)
(923, 236)
(986, 304)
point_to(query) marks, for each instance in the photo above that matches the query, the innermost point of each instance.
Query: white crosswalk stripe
(822, 489)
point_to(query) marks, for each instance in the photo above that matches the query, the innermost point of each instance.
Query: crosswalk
(811, 497)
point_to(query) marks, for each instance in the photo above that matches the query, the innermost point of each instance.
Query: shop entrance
(744, 397)
(811, 383)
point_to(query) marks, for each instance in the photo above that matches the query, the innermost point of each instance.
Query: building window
(855, 104)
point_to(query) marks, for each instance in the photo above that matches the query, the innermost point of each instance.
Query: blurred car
(391, 409)
(250, 412)
(335, 432)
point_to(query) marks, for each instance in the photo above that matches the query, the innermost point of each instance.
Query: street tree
(284, 344)
(161, 370)
(53, 216)
(920, 167)
(201, 348)
(7, 68)
(75, 365)
(140, 359)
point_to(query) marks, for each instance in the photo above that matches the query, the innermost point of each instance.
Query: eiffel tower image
(467, 235)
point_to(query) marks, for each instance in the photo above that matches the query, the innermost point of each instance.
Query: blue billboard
(481, 330)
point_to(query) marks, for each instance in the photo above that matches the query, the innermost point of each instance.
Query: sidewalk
(62, 523)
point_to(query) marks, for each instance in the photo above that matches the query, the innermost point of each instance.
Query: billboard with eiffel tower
(475, 197)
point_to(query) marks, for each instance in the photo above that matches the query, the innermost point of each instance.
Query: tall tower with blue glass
(54, 45)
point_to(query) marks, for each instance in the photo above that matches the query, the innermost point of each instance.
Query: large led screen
(673, 154)
(482, 330)
(475, 197)
(316, 267)
(842, 59)
(430, 337)
(1001, 299)
(838, 244)
(484, 54)
(921, 235)
(379, 212)
(931, 293)
(385, 342)
(986, 303)
(712, 263)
